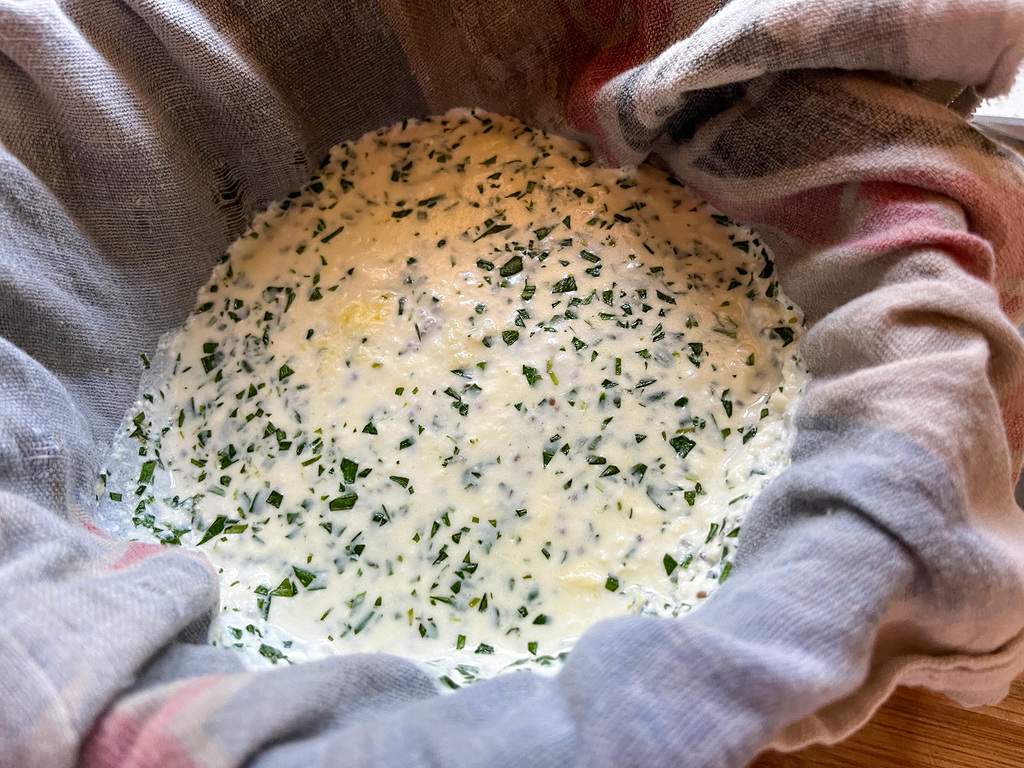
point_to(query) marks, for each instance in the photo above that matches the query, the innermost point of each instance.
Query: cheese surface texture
(462, 396)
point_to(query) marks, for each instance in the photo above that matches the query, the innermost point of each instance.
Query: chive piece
(784, 334)
(670, 564)
(726, 570)
(362, 623)
(343, 502)
(305, 577)
(682, 444)
(285, 589)
(492, 230)
(510, 337)
(511, 267)
(271, 653)
(215, 528)
(275, 499)
(711, 532)
(284, 372)
(331, 236)
(146, 474)
(566, 285)
(348, 470)
(611, 584)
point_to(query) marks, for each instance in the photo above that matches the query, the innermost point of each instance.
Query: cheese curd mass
(459, 398)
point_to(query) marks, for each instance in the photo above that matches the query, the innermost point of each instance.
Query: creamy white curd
(459, 398)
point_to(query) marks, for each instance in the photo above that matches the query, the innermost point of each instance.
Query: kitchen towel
(137, 138)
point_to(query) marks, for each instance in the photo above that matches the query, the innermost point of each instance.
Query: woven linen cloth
(137, 138)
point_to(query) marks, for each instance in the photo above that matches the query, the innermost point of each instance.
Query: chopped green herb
(305, 577)
(682, 444)
(565, 285)
(343, 502)
(783, 333)
(511, 267)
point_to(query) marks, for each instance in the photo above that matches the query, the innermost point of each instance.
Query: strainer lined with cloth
(136, 140)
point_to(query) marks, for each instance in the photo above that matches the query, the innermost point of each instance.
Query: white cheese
(464, 395)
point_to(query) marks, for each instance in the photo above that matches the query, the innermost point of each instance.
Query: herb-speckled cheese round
(462, 396)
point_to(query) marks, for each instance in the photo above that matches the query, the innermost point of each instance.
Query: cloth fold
(136, 140)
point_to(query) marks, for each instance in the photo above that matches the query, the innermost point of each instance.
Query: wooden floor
(918, 729)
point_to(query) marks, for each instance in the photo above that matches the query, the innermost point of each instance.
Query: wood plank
(920, 729)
